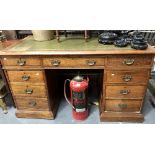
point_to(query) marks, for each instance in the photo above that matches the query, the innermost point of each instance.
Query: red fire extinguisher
(78, 97)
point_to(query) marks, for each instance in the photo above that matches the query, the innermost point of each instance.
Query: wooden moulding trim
(68, 52)
(34, 114)
(121, 117)
(42, 68)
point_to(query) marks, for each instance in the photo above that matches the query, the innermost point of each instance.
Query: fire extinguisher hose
(65, 92)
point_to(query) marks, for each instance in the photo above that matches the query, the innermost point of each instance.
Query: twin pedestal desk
(30, 68)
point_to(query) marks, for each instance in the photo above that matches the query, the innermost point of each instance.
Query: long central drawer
(73, 62)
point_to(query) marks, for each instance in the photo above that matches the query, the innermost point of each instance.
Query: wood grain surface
(123, 85)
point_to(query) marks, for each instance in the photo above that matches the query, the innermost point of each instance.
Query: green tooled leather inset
(29, 44)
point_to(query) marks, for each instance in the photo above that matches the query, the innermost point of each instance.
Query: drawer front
(32, 103)
(125, 91)
(21, 61)
(26, 76)
(28, 90)
(129, 61)
(123, 105)
(139, 76)
(73, 62)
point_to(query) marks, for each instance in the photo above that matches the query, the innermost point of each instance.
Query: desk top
(29, 46)
(7, 43)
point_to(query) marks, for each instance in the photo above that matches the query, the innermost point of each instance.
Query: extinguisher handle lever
(65, 95)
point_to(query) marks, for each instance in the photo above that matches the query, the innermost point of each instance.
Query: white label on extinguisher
(81, 110)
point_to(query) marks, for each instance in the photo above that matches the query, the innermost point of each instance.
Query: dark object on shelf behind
(138, 41)
(85, 34)
(120, 38)
(2, 37)
(121, 42)
(107, 38)
(23, 33)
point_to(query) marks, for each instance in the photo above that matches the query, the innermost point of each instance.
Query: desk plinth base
(121, 117)
(35, 114)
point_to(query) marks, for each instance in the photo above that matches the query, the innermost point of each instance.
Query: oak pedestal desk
(125, 76)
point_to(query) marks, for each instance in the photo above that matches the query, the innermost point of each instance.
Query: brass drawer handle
(128, 62)
(91, 62)
(122, 106)
(124, 92)
(127, 78)
(25, 77)
(55, 62)
(21, 62)
(28, 91)
(32, 103)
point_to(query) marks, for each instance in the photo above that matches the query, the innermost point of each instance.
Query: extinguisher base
(80, 115)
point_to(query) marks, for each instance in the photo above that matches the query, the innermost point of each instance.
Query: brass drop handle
(127, 78)
(55, 62)
(32, 103)
(91, 62)
(28, 91)
(21, 62)
(122, 106)
(25, 77)
(128, 62)
(124, 92)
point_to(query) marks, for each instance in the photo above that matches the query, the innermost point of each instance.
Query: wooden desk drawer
(32, 103)
(26, 76)
(138, 76)
(28, 90)
(73, 62)
(121, 91)
(129, 61)
(21, 61)
(123, 105)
